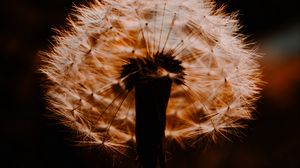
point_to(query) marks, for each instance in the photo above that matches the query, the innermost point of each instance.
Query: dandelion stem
(151, 103)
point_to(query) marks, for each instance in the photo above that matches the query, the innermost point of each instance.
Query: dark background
(31, 140)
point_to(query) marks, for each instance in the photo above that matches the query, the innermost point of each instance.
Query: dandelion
(148, 72)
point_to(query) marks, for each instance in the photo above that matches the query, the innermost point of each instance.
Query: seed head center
(141, 70)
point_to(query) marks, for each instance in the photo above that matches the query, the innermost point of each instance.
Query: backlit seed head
(114, 44)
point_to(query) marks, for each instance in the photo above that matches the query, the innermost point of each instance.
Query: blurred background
(31, 140)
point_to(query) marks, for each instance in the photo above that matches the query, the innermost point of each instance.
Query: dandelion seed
(150, 71)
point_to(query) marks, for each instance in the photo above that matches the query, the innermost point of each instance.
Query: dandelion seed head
(94, 67)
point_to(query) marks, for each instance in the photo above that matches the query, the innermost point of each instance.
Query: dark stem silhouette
(151, 103)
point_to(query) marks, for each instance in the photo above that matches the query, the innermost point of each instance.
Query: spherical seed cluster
(88, 92)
